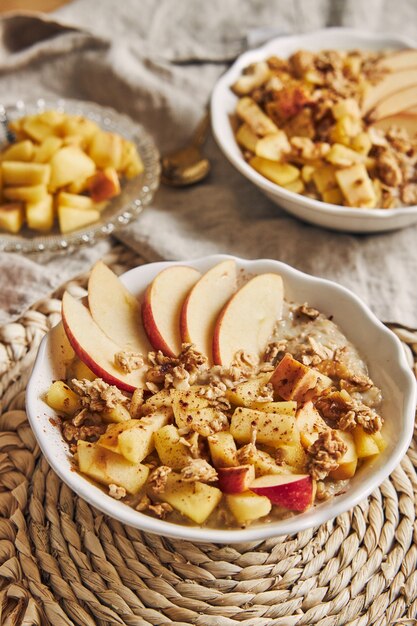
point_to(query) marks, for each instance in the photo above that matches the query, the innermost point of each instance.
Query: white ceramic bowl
(378, 345)
(223, 105)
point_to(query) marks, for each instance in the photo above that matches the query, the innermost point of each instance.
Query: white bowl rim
(291, 526)
(217, 112)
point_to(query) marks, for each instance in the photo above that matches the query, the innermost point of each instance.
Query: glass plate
(124, 208)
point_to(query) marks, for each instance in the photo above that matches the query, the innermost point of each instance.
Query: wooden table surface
(30, 5)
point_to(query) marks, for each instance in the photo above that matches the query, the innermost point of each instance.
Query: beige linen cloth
(157, 61)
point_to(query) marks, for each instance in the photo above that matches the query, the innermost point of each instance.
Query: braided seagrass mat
(63, 563)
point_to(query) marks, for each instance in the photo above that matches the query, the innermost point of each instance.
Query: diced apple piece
(77, 125)
(161, 399)
(264, 463)
(349, 461)
(196, 500)
(379, 440)
(279, 173)
(36, 128)
(104, 185)
(74, 200)
(255, 118)
(11, 217)
(365, 443)
(93, 347)
(247, 138)
(310, 424)
(294, 455)
(106, 150)
(235, 479)
(185, 400)
(248, 319)
(116, 311)
(170, 449)
(47, 149)
(63, 399)
(72, 218)
(108, 468)
(53, 118)
(293, 380)
(25, 174)
(161, 308)
(356, 186)
(78, 186)
(247, 507)
(32, 194)
(362, 143)
(333, 196)
(131, 164)
(325, 178)
(346, 107)
(204, 304)
(283, 408)
(272, 429)
(273, 147)
(223, 449)
(40, 216)
(19, 151)
(292, 491)
(69, 164)
(133, 439)
(82, 372)
(297, 186)
(246, 393)
(115, 415)
(342, 156)
(199, 420)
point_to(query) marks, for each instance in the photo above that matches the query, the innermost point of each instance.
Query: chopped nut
(179, 372)
(388, 169)
(409, 193)
(143, 504)
(116, 492)
(325, 454)
(97, 395)
(199, 470)
(158, 478)
(161, 510)
(307, 311)
(128, 361)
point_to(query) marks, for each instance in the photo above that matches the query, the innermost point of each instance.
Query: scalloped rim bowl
(380, 348)
(135, 195)
(223, 104)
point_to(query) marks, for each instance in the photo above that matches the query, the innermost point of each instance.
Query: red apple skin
(296, 495)
(235, 479)
(154, 336)
(83, 355)
(185, 337)
(104, 185)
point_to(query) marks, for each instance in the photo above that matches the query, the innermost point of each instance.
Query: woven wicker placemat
(62, 562)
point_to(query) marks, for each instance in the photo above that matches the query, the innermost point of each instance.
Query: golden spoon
(187, 166)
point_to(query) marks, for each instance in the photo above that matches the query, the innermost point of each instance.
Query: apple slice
(247, 321)
(204, 303)
(116, 311)
(235, 479)
(395, 103)
(94, 348)
(401, 60)
(405, 119)
(161, 308)
(391, 83)
(291, 491)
